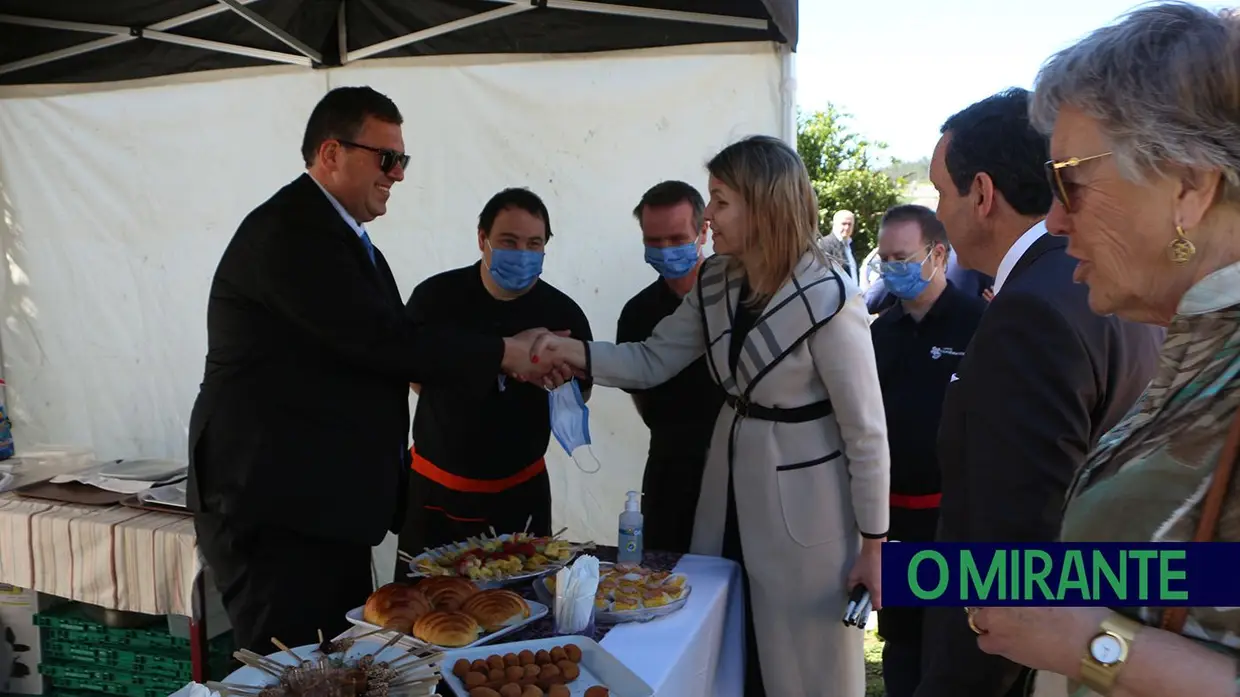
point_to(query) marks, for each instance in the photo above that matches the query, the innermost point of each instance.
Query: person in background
(297, 439)
(796, 481)
(681, 412)
(918, 344)
(967, 281)
(1044, 378)
(838, 245)
(1145, 176)
(478, 454)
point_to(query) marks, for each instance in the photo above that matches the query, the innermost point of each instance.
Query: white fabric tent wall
(117, 201)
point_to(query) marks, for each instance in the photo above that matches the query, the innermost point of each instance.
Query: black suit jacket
(1042, 380)
(302, 418)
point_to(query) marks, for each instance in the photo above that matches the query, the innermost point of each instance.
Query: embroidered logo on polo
(937, 352)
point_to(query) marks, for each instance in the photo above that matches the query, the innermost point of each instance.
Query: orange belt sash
(428, 469)
(917, 503)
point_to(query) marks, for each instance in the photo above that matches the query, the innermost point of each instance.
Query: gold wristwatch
(1107, 652)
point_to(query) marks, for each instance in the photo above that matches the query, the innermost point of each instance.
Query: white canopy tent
(127, 161)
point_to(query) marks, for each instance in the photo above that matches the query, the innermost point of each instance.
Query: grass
(873, 665)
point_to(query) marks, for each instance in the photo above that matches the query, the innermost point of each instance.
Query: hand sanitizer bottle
(629, 549)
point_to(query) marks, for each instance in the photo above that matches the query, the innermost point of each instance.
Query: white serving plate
(247, 675)
(644, 614)
(482, 584)
(598, 667)
(537, 612)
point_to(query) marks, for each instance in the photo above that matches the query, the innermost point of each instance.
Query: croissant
(396, 606)
(496, 609)
(447, 628)
(447, 592)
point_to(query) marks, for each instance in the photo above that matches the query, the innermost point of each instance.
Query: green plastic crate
(169, 664)
(76, 676)
(68, 624)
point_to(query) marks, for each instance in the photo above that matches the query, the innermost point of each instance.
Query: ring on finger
(973, 626)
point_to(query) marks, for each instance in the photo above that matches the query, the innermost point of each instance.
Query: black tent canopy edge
(88, 41)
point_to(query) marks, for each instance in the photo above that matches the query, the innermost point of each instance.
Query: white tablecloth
(698, 651)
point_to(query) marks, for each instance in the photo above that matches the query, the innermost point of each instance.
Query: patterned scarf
(1194, 390)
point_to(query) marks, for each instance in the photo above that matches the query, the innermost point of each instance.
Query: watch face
(1106, 649)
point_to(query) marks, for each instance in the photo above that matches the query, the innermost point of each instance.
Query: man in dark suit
(838, 244)
(299, 436)
(1042, 380)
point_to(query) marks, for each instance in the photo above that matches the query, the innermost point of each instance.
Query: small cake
(656, 597)
(625, 602)
(675, 580)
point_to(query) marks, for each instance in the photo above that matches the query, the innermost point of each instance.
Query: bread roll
(396, 606)
(496, 609)
(447, 592)
(449, 629)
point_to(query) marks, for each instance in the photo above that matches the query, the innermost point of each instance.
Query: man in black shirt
(680, 413)
(918, 342)
(478, 451)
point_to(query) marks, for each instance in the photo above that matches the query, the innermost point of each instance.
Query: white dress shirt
(1016, 251)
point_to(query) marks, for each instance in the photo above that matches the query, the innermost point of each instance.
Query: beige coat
(805, 492)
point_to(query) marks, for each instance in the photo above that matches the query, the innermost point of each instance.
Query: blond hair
(783, 210)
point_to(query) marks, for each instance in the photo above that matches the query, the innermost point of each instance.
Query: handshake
(544, 357)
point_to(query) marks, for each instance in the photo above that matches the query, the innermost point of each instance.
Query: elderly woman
(1144, 119)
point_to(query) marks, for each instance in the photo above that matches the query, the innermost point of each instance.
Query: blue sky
(901, 67)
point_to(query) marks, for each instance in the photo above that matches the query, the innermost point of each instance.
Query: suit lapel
(323, 209)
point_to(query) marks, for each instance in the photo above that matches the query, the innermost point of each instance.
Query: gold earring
(1181, 248)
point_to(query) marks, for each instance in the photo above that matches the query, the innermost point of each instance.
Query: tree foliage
(847, 172)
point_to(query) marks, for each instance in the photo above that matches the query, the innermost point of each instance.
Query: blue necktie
(370, 248)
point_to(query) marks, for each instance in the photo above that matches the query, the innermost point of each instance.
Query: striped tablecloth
(116, 557)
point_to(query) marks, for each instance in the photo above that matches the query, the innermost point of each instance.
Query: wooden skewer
(492, 529)
(528, 521)
(561, 532)
(240, 688)
(261, 666)
(280, 645)
(249, 657)
(404, 556)
(433, 680)
(320, 631)
(225, 689)
(400, 665)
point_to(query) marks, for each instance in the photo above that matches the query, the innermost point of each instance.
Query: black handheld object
(858, 610)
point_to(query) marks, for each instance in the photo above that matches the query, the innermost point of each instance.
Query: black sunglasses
(1054, 175)
(388, 158)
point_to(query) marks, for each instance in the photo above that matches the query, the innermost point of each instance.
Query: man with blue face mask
(478, 452)
(918, 343)
(680, 413)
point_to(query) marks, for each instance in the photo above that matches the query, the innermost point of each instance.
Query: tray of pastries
(629, 593)
(552, 667)
(447, 612)
(495, 561)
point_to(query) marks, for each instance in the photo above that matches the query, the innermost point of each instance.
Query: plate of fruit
(498, 560)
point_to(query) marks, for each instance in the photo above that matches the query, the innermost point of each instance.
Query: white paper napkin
(575, 587)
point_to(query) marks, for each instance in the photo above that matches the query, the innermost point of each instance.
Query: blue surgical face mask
(570, 419)
(673, 262)
(515, 269)
(903, 279)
